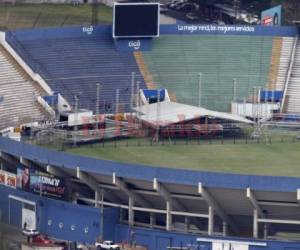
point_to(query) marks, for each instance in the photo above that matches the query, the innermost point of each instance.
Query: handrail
(292, 59)
(46, 106)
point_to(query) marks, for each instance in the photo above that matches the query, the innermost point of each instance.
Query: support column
(121, 215)
(97, 197)
(255, 224)
(266, 229)
(130, 211)
(152, 219)
(101, 214)
(187, 223)
(210, 220)
(225, 229)
(169, 216)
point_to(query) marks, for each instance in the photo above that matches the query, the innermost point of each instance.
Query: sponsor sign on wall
(271, 17)
(47, 185)
(131, 45)
(40, 183)
(8, 179)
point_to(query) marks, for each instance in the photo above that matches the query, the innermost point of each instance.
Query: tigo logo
(135, 44)
(88, 30)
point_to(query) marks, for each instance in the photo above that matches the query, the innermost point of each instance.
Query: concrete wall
(59, 219)
(159, 240)
(81, 217)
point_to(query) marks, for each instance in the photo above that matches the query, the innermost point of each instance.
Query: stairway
(18, 95)
(149, 80)
(285, 57)
(292, 98)
(275, 62)
(144, 70)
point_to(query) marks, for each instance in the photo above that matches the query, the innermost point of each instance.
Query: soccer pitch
(278, 159)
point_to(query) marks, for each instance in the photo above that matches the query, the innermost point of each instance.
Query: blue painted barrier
(147, 173)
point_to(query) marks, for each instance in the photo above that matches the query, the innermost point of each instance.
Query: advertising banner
(40, 183)
(11, 180)
(271, 17)
(8, 179)
(47, 185)
(23, 178)
(2, 177)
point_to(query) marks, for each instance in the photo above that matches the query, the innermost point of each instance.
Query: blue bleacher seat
(73, 65)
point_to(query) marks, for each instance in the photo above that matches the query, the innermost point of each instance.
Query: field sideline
(278, 159)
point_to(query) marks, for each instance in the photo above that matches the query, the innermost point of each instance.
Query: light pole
(117, 100)
(76, 119)
(234, 89)
(98, 85)
(199, 88)
(132, 90)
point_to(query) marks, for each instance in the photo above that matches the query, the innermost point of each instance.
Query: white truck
(107, 245)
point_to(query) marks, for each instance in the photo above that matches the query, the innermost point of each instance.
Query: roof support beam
(87, 179)
(250, 195)
(57, 171)
(257, 212)
(164, 192)
(26, 162)
(132, 198)
(170, 202)
(122, 185)
(217, 208)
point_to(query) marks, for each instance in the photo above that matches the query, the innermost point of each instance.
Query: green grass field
(50, 15)
(277, 158)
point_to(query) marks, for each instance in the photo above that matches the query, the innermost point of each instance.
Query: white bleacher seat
(18, 94)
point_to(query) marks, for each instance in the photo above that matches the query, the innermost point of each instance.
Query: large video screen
(136, 20)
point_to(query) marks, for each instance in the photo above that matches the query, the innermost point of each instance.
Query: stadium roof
(167, 113)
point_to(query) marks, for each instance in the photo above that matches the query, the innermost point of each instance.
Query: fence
(64, 140)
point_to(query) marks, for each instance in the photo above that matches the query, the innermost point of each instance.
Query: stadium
(174, 135)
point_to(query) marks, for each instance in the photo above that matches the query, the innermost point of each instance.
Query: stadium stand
(18, 95)
(285, 56)
(292, 100)
(175, 62)
(144, 70)
(57, 61)
(275, 61)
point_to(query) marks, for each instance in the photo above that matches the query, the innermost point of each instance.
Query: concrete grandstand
(152, 206)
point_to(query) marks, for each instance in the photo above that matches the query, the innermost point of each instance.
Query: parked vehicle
(108, 245)
(30, 232)
(41, 239)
